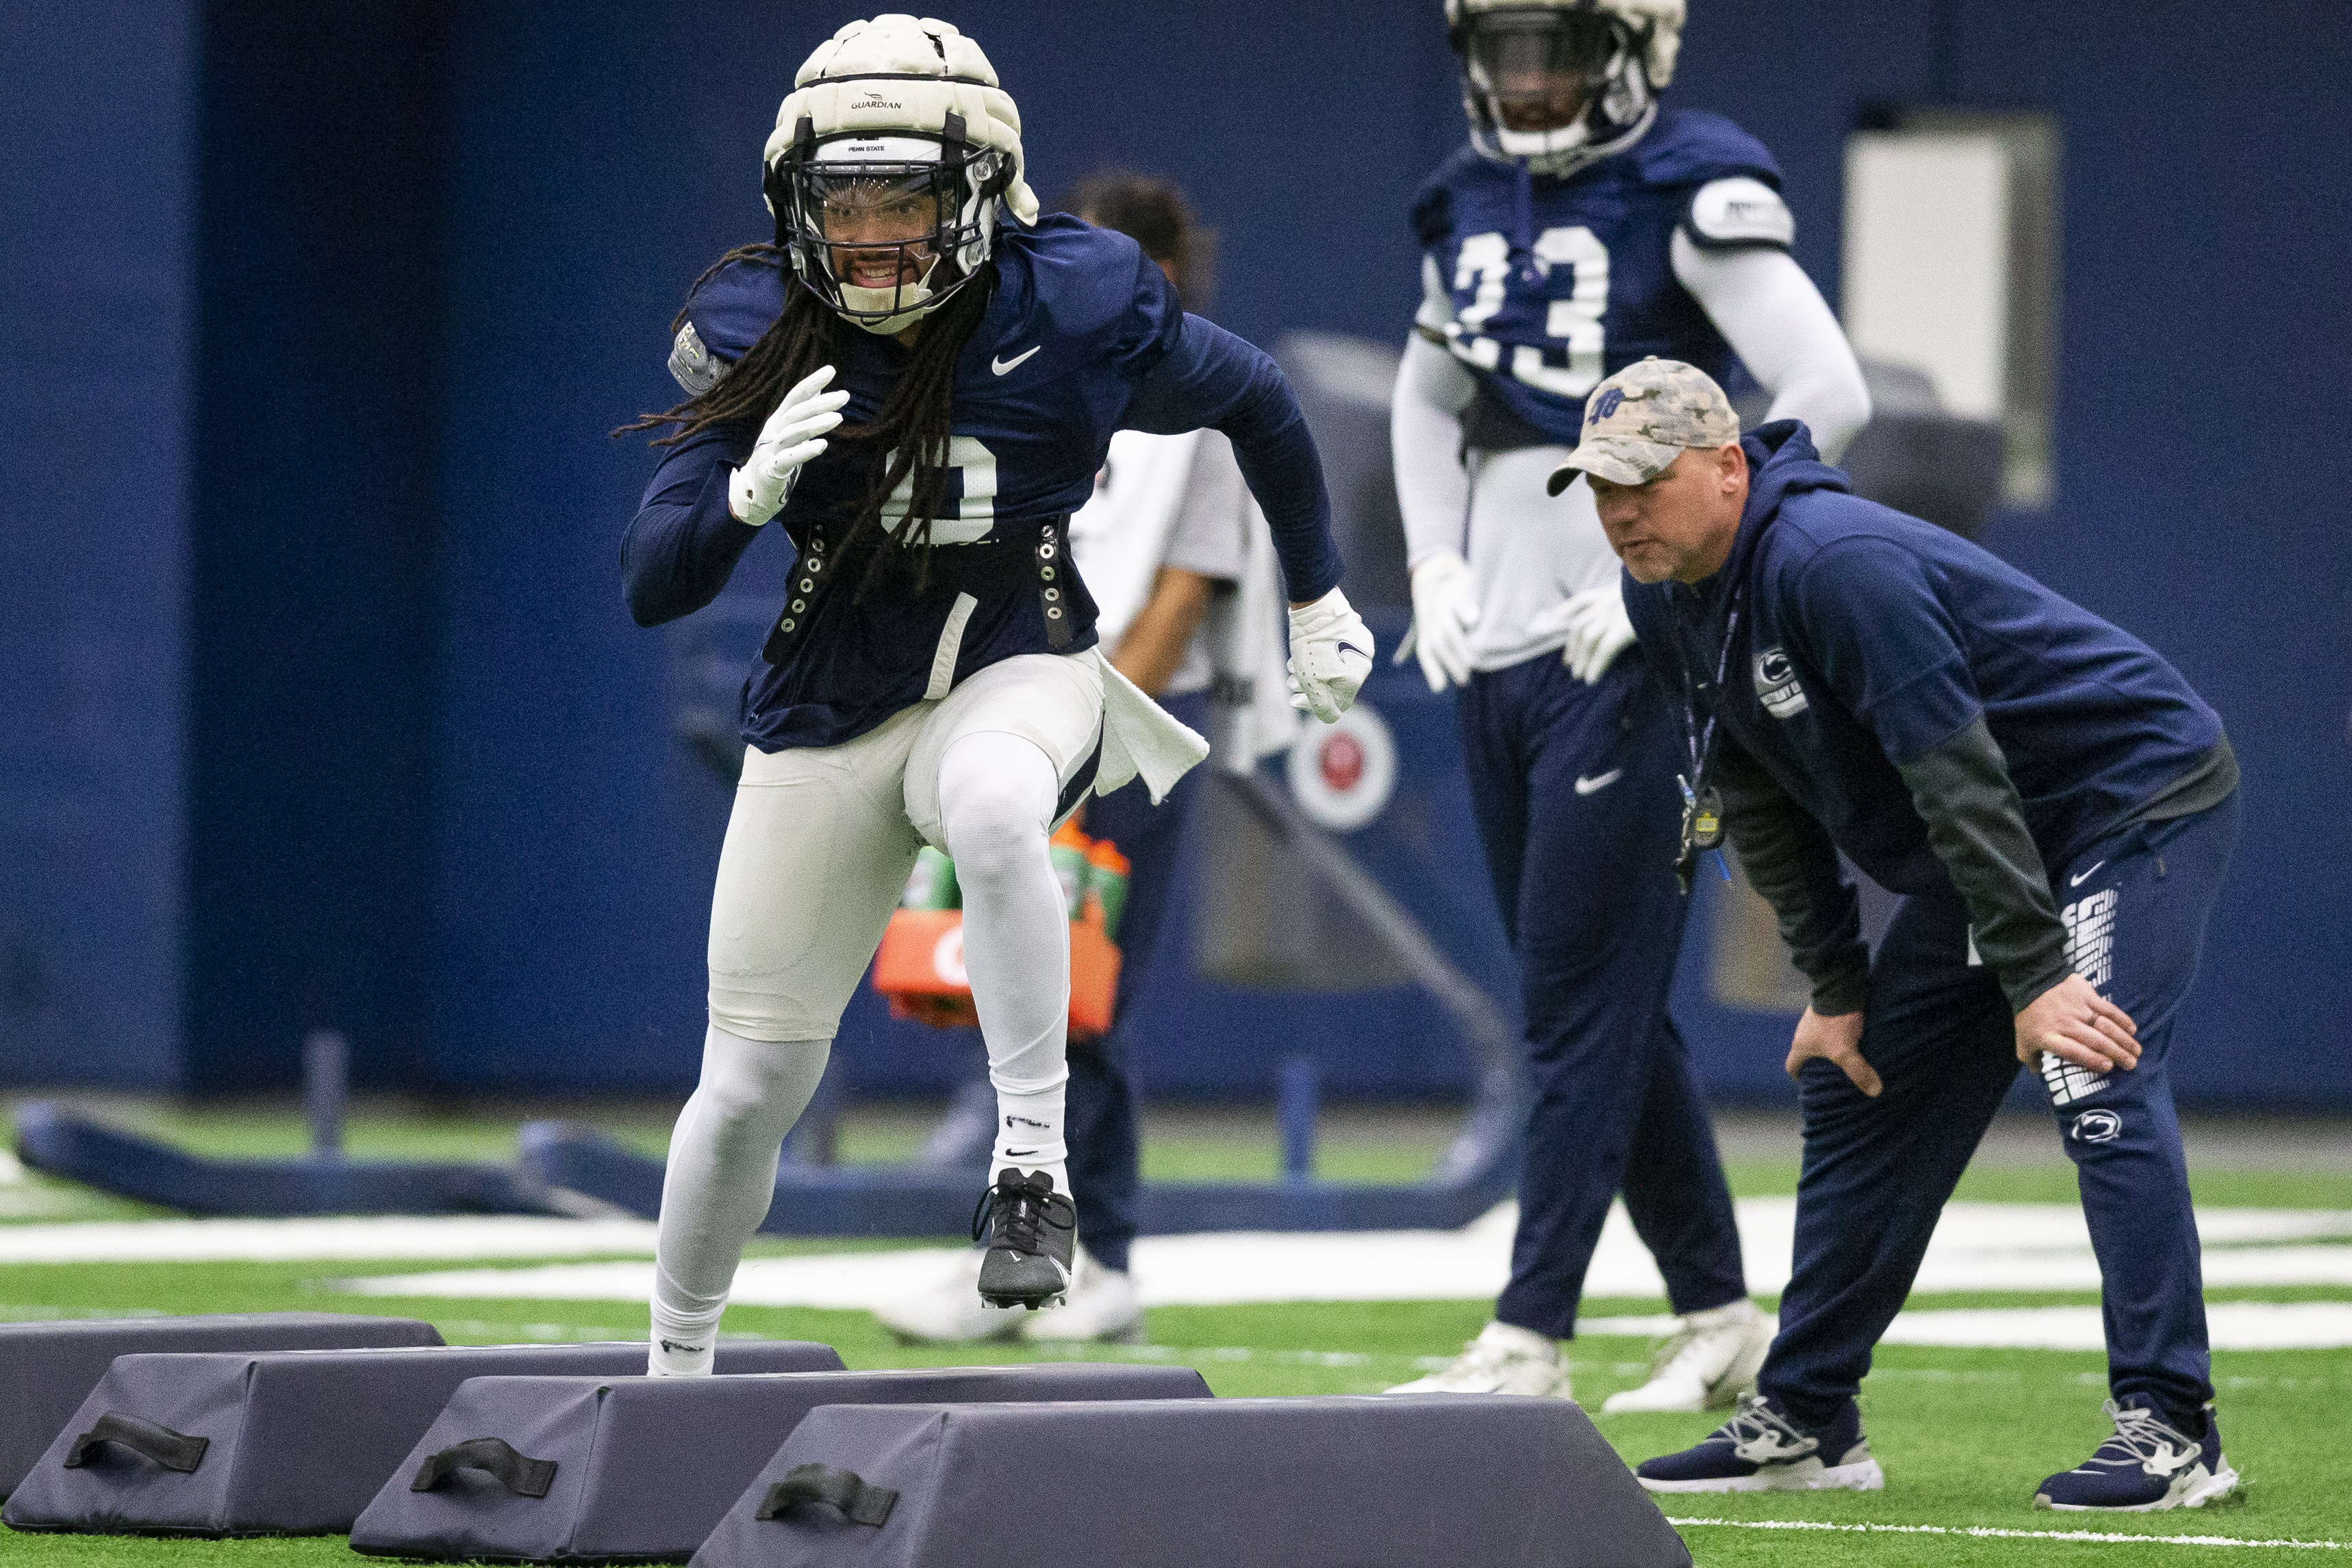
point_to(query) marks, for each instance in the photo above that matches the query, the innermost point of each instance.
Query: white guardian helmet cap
(887, 165)
(1562, 83)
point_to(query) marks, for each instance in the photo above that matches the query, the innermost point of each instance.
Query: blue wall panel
(95, 319)
(316, 430)
(2202, 232)
(315, 320)
(2206, 243)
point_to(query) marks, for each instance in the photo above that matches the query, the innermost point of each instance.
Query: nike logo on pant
(2078, 881)
(1598, 782)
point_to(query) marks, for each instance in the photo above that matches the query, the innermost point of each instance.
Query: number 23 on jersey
(1500, 316)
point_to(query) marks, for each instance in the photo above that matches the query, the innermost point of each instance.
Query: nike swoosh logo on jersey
(1588, 785)
(1001, 365)
(2078, 881)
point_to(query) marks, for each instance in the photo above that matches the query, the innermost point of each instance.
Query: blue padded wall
(96, 320)
(2202, 197)
(317, 427)
(320, 705)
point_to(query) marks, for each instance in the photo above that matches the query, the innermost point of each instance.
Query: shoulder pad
(1432, 204)
(1690, 146)
(1740, 214)
(1432, 215)
(734, 306)
(1082, 280)
(697, 368)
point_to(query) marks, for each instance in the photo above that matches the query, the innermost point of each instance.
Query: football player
(1180, 565)
(926, 398)
(1587, 224)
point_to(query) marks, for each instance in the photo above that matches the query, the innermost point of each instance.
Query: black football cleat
(1033, 1235)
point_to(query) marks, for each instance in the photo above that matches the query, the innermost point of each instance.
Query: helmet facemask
(1559, 89)
(885, 227)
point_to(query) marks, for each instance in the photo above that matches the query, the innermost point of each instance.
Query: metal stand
(54, 1138)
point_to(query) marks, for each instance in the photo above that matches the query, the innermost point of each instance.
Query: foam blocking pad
(284, 1442)
(1412, 1481)
(576, 1470)
(46, 1370)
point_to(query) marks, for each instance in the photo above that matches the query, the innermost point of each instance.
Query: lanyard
(1699, 742)
(1702, 806)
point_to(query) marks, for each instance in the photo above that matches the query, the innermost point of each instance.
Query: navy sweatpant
(1579, 813)
(1099, 1124)
(1938, 1030)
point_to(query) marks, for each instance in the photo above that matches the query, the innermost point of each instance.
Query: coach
(2055, 807)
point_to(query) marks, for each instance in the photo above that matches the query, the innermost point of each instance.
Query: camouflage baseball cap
(1640, 419)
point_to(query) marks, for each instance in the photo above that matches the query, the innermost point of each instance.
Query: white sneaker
(1711, 1361)
(950, 1310)
(1103, 1305)
(1502, 1359)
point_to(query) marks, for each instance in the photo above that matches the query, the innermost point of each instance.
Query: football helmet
(887, 167)
(1562, 83)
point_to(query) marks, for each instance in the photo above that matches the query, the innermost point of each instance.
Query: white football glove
(1597, 625)
(756, 491)
(1444, 608)
(1330, 655)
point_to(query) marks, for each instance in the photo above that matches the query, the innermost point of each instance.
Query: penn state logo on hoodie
(1777, 685)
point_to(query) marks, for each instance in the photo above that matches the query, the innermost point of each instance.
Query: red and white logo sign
(947, 958)
(1344, 775)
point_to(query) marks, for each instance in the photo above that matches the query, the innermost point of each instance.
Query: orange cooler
(920, 969)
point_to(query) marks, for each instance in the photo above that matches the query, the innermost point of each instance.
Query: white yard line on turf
(279, 1240)
(2233, 1326)
(1984, 1531)
(1976, 1247)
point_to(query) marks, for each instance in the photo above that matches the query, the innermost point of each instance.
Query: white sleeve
(1781, 329)
(1433, 388)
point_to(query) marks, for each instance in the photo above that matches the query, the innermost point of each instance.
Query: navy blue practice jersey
(1082, 336)
(1556, 283)
(1078, 315)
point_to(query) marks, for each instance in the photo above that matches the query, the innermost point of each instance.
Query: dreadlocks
(911, 429)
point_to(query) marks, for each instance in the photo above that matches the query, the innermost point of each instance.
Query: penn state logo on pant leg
(2095, 1127)
(1777, 685)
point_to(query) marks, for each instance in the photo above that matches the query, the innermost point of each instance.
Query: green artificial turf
(1963, 1434)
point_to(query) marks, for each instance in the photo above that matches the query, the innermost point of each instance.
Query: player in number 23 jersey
(1585, 226)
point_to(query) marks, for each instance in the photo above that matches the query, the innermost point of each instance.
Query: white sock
(684, 1338)
(1029, 1134)
(997, 794)
(719, 1183)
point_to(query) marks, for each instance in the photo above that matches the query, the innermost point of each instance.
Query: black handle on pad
(859, 1501)
(173, 1450)
(494, 1457)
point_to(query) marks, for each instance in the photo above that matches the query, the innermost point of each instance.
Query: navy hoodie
(1949, 723)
